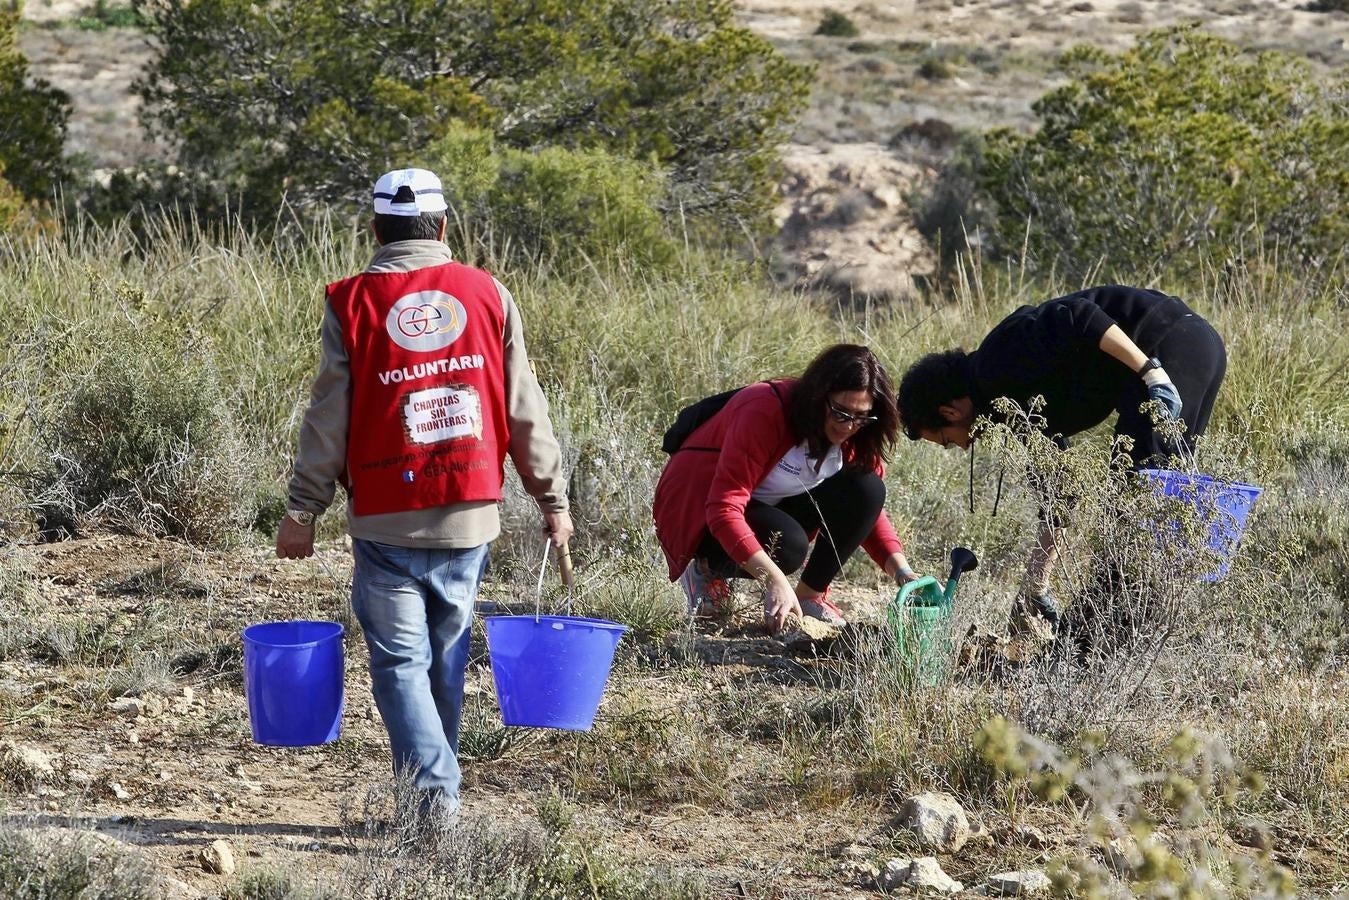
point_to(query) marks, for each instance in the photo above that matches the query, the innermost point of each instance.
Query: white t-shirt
(795, 474)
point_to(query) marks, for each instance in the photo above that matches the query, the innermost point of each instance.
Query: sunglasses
(843, 417)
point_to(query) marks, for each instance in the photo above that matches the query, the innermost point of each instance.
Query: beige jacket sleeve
(323, 433)
(534, 449)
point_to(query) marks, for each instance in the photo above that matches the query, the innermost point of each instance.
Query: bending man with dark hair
(782, 463)
(1099, 351)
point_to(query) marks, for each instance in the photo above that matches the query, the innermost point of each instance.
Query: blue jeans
(415, 607)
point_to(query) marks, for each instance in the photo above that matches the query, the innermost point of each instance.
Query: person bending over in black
(1088, 354)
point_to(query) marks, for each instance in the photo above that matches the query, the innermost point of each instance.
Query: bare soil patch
(177, 769)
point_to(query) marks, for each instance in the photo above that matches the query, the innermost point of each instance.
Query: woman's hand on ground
(779, 605)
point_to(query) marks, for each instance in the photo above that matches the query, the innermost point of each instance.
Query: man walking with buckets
(424, 387)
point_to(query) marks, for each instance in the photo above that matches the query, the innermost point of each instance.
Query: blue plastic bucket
(550, 671)
(293, 682)
(1223, 505)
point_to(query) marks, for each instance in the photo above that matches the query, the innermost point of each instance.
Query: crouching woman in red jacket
(782, 463)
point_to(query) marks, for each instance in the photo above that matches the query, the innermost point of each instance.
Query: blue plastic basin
(550, 671)
(293, 682)
(1222, 505)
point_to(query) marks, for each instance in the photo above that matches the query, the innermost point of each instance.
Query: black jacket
(1053, 350)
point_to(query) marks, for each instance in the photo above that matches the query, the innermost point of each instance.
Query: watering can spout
(962, 560)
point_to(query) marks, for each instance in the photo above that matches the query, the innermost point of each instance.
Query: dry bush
(52, 864)
(20, 601)
(141, 437)
(1195, 779)
(400, 855)
(1141, 626)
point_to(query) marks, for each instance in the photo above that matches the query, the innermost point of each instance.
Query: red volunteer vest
(428, 405)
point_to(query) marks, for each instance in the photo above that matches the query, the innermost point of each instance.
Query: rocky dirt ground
(127, 701)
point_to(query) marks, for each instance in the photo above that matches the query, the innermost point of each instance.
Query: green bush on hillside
(1181, 144)
(311, 100)
(556, 206)
(33, 117)
(836, 24)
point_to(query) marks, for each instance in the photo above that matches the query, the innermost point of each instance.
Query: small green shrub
(951, 211)
(934, 68)
(142, 437)
(270, 885)
(560, 207)
(1327, 6)
(836, 24)
(104, 15)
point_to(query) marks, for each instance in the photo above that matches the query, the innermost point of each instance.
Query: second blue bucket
(550, 671)
(293, 682)
(1223, 505)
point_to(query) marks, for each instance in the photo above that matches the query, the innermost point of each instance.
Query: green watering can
(920, 618)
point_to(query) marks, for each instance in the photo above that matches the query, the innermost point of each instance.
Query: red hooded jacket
(707, 484)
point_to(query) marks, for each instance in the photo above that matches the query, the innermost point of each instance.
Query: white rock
(28, 763)
(118, 791)
(127, 707)
(79, 778)
(188, 695)
(937, 820)
(919, 874)
(1018, 884)
(217, 858)
(1120, 857)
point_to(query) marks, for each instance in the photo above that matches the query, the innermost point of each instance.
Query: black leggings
(1193, 355)
(843, 509)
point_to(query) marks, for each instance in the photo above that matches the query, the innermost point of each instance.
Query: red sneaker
(707, 595)
(823, 608)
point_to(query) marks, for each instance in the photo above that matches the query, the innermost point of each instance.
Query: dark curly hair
(932, 382)
(845, 367)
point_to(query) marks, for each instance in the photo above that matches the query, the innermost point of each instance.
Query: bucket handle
(564, 564)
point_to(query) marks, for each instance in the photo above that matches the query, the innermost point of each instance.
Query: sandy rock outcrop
(844, 223)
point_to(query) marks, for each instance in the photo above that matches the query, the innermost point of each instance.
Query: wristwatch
(300, 517)
(1151, 363)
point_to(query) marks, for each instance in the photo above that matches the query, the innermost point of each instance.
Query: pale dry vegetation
(718, 730)
(155, 372)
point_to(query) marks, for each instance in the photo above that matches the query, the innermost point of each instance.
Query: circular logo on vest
(426, 321)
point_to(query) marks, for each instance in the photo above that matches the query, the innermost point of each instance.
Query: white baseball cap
(408, 192)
